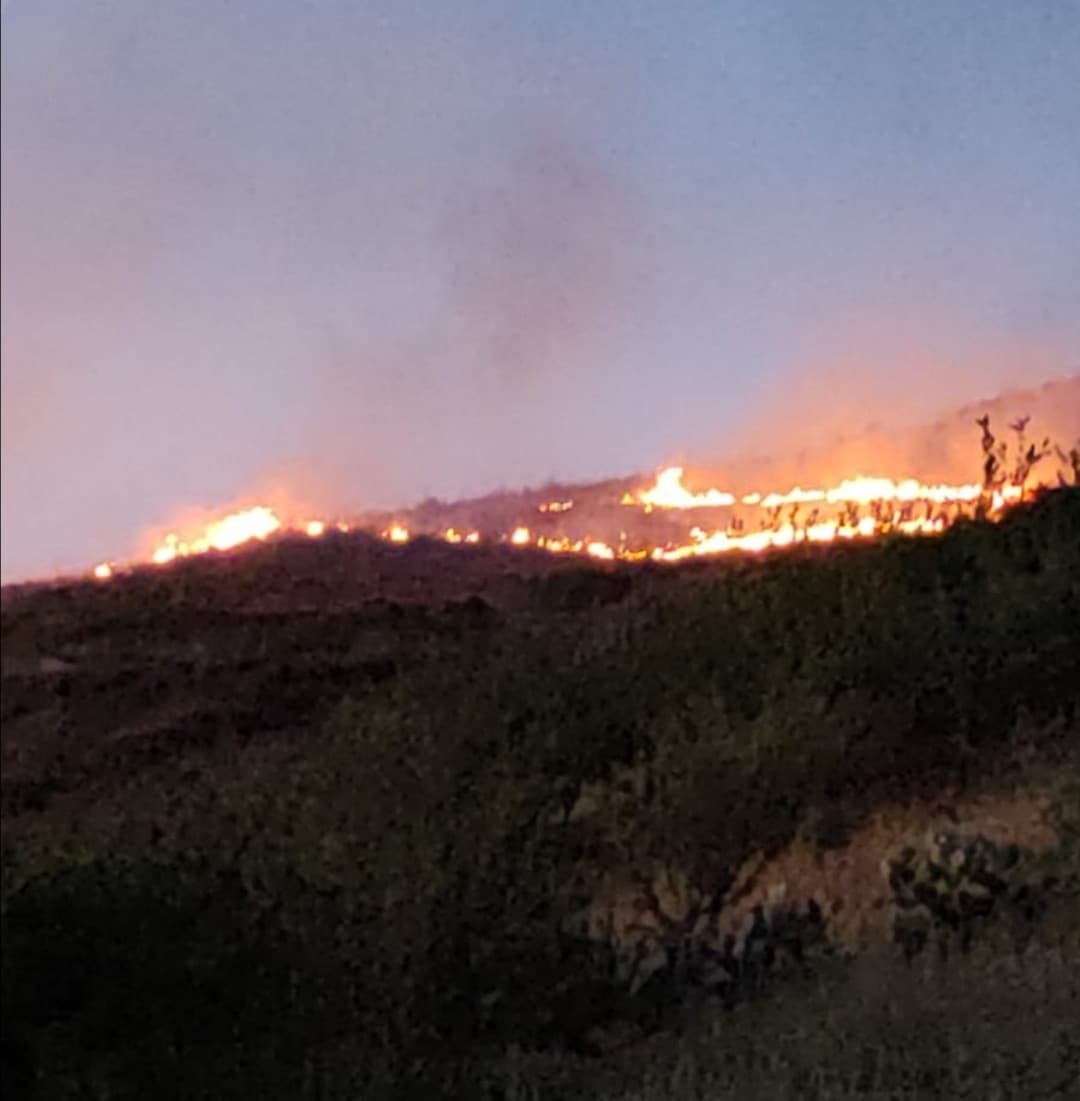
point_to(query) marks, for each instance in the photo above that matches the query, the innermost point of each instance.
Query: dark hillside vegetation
(339, 843)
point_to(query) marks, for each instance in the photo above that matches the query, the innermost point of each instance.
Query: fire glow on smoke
(855, 508)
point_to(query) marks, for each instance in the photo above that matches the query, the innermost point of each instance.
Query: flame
(856, 508)
(892, 507)
(669, 492)
(452, 535)
(224, 534)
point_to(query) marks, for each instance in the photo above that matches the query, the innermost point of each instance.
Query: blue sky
(384, 250)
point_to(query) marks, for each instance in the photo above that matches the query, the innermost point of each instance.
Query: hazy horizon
(382, 251)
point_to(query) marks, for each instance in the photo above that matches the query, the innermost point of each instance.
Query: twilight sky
(374, 251)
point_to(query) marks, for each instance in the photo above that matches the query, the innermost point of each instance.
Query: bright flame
(599, 550)
(224, 534)
(669, 492)
(906, 506)
(856, 508)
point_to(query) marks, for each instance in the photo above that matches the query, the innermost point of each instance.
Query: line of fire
(671, 520)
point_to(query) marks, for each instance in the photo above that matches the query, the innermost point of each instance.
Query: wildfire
(228, 532)
(855, 508)
(669, 492)
(452, 535)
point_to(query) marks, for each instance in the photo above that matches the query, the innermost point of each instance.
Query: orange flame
(861, 507)
(669, 492)
(224, 534)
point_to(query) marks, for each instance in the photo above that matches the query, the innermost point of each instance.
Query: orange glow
(224, 534)
(906, 506)
(856, 508)
(558, 544)
(452, 535)
(669, 492)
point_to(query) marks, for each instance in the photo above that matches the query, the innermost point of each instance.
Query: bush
(138, 980)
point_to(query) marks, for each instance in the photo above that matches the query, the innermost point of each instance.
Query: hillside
(842, 484)
(343, 818)
(943, 450)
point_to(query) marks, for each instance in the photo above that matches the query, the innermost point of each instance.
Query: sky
(371, 252)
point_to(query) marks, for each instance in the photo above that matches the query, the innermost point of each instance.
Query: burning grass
(668, 520)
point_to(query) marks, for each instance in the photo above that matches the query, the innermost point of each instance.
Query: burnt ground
(99, 679)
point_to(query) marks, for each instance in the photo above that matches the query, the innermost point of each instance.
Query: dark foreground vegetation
(331, 848)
